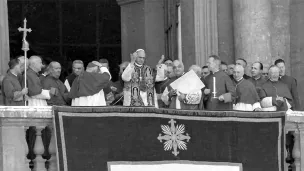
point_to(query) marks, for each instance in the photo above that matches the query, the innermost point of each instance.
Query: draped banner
(131, 139)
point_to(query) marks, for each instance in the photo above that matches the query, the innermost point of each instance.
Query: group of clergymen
(141, 85)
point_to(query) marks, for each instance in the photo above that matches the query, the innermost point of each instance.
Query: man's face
(168, 62)
(178, 68)
(77, 69)
(274, 74)
(211, 64)
(231, 69)
(141, 56)
(238, 73)
(56, 70)
(38, 64)
(255, 70)
(170, 72)
(240, 62)
(224, 68)
(282, 68)
(205, 72)
(18, 69)
(265, 72)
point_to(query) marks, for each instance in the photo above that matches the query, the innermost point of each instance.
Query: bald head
(238, 72)
(35, 63)
(197, 69)
(178, 68)
(274, 73)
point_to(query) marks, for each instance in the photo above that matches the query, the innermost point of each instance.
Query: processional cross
(25, 47)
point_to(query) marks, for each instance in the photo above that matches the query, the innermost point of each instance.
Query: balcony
(19, 155)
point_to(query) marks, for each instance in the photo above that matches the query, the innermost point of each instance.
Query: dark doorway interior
(65, 30)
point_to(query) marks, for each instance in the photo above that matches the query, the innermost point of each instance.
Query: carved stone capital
(125, 2)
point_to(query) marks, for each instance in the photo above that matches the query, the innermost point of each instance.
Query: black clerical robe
(292, 86)
(225, 87)
(11, 90)
(245, 76)
(276, 89)
(61, 97)
(258, 82)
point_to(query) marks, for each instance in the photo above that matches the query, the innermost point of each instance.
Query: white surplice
(40, 99)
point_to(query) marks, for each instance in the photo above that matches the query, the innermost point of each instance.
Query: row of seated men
(141, 85)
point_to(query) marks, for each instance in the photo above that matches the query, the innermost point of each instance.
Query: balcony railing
(23, 148)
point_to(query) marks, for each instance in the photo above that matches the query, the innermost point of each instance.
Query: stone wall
(297, 43)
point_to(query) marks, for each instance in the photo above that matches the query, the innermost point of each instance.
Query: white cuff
(45, 95)
(104, 69)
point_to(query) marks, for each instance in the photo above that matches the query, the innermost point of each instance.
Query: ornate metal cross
(25, 45)
(24, 29)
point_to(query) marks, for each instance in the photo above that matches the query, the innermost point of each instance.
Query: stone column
(4, 37)
(280, 35)
(252, 30)
(206, 32)
(142, 26)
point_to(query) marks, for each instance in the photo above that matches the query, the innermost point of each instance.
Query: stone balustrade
(17, 121)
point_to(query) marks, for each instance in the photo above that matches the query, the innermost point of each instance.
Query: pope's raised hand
(133, 57)
(162, 58)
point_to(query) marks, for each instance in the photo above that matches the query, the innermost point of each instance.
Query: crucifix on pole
(25, 47)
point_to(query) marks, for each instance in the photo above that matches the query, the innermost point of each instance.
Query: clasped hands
(54, 91)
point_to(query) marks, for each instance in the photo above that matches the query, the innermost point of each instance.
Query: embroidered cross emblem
(174, 137)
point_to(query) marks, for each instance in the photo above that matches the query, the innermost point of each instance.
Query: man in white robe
(139, 82)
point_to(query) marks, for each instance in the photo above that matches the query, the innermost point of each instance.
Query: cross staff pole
(25, 47)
